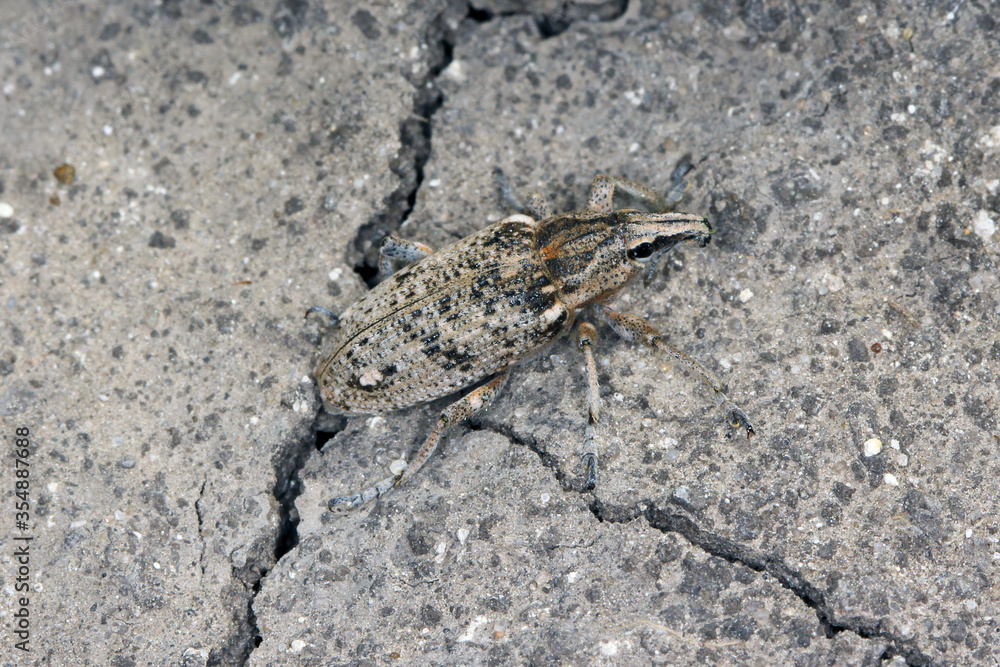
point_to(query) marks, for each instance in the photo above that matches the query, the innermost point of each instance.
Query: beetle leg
(395, 248)
(537, 207)
(586, 337)
(505, 191)
(602, 191)
(331, 316)
(676, 193)
(461, 409)
(632, 327)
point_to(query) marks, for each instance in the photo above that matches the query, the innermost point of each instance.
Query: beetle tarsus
(331, 316)
(679, 183)
(590, 466)
(507, 196)
(343, 504)
(394, 248)
(738, 418)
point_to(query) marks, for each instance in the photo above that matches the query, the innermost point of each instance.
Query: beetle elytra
(476, 308)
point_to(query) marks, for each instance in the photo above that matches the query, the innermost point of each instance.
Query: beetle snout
(705, 238)
(701, 232)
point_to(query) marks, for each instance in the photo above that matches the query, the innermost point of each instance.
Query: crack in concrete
(480, 423)
(415, 138)
(201, 525)
(676, 520)
(415, 134)
(670, 520)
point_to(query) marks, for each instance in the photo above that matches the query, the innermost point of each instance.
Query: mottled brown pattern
(437, 326)
(481, 305)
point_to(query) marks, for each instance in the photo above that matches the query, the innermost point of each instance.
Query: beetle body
(481, 305)
(477, 307)
(461, 314)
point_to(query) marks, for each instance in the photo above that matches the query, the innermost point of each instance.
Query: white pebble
(397, 466)
(984, 226)
(745, 296)
(6, 210)
(890, 479)
(873, 446)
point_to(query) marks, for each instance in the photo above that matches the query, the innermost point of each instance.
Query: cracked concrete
(234, 163)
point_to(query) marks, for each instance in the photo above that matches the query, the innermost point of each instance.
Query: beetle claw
(325, 312)
(342, 504)
(590, 464)
(738, 418)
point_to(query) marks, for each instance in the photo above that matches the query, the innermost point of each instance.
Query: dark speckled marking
(456, 355)
(517, 286)
(464, 321)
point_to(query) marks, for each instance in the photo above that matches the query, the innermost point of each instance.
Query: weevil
(473, 310)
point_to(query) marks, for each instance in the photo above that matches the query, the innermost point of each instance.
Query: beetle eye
(641, 251)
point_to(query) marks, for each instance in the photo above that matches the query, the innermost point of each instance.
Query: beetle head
(649, 235)
(592, 256)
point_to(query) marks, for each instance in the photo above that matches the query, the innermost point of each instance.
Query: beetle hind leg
(586, 337)
(535, 205)
(395, 248)
(461, 409)
(632, 327)
(331, 317)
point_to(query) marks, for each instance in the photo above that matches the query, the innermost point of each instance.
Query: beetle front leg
(632, 327)
(535, 205)
(461, 409)
(586, 337)
(602, 192)
(676, 193)
(394, 248)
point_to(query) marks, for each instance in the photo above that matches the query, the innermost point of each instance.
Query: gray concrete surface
(234, 163)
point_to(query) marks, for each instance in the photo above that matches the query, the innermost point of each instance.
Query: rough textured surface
(234, 163)
(152, 327)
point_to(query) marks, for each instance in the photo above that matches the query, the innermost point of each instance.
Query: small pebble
(873, 446)
(6, 210)
(984, 226)
(890, 479)
(65, 173)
